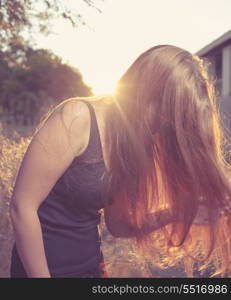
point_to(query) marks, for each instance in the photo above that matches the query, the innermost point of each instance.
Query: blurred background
(51, 50)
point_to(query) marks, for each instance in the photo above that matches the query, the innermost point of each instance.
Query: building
(218, 53)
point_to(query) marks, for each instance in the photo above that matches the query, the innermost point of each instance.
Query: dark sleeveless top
(70, 214)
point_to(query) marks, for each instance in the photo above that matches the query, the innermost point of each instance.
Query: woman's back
(70, 213)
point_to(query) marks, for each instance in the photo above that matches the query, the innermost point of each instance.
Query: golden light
(103, 85)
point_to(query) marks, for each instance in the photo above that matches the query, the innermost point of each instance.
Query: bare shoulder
(73, 109)
(75, 116)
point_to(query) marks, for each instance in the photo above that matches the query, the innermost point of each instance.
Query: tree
(37, 81)
(31, 80)
(18, 15)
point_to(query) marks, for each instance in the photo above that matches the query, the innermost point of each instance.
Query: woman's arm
(49, 154)
(154, 221)
(119, 228)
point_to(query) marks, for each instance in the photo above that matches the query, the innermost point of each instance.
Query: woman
(151, 155)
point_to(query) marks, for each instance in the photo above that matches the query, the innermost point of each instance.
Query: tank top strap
(93, 152)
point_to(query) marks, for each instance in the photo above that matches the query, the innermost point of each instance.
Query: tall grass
(11, 152)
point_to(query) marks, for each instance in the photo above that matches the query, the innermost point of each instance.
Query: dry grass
(11, 153)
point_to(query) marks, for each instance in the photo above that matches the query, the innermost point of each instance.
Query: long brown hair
(165, 146)
(164, 142)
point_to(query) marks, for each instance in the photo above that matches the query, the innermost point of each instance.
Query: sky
(114, 38)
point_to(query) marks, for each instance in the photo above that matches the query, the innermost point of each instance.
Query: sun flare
(103, 85)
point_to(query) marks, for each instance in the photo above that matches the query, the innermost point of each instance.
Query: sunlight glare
(103, 85)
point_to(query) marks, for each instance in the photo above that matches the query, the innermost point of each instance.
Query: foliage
(11, 152)
(32, 80)
(18, 15)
